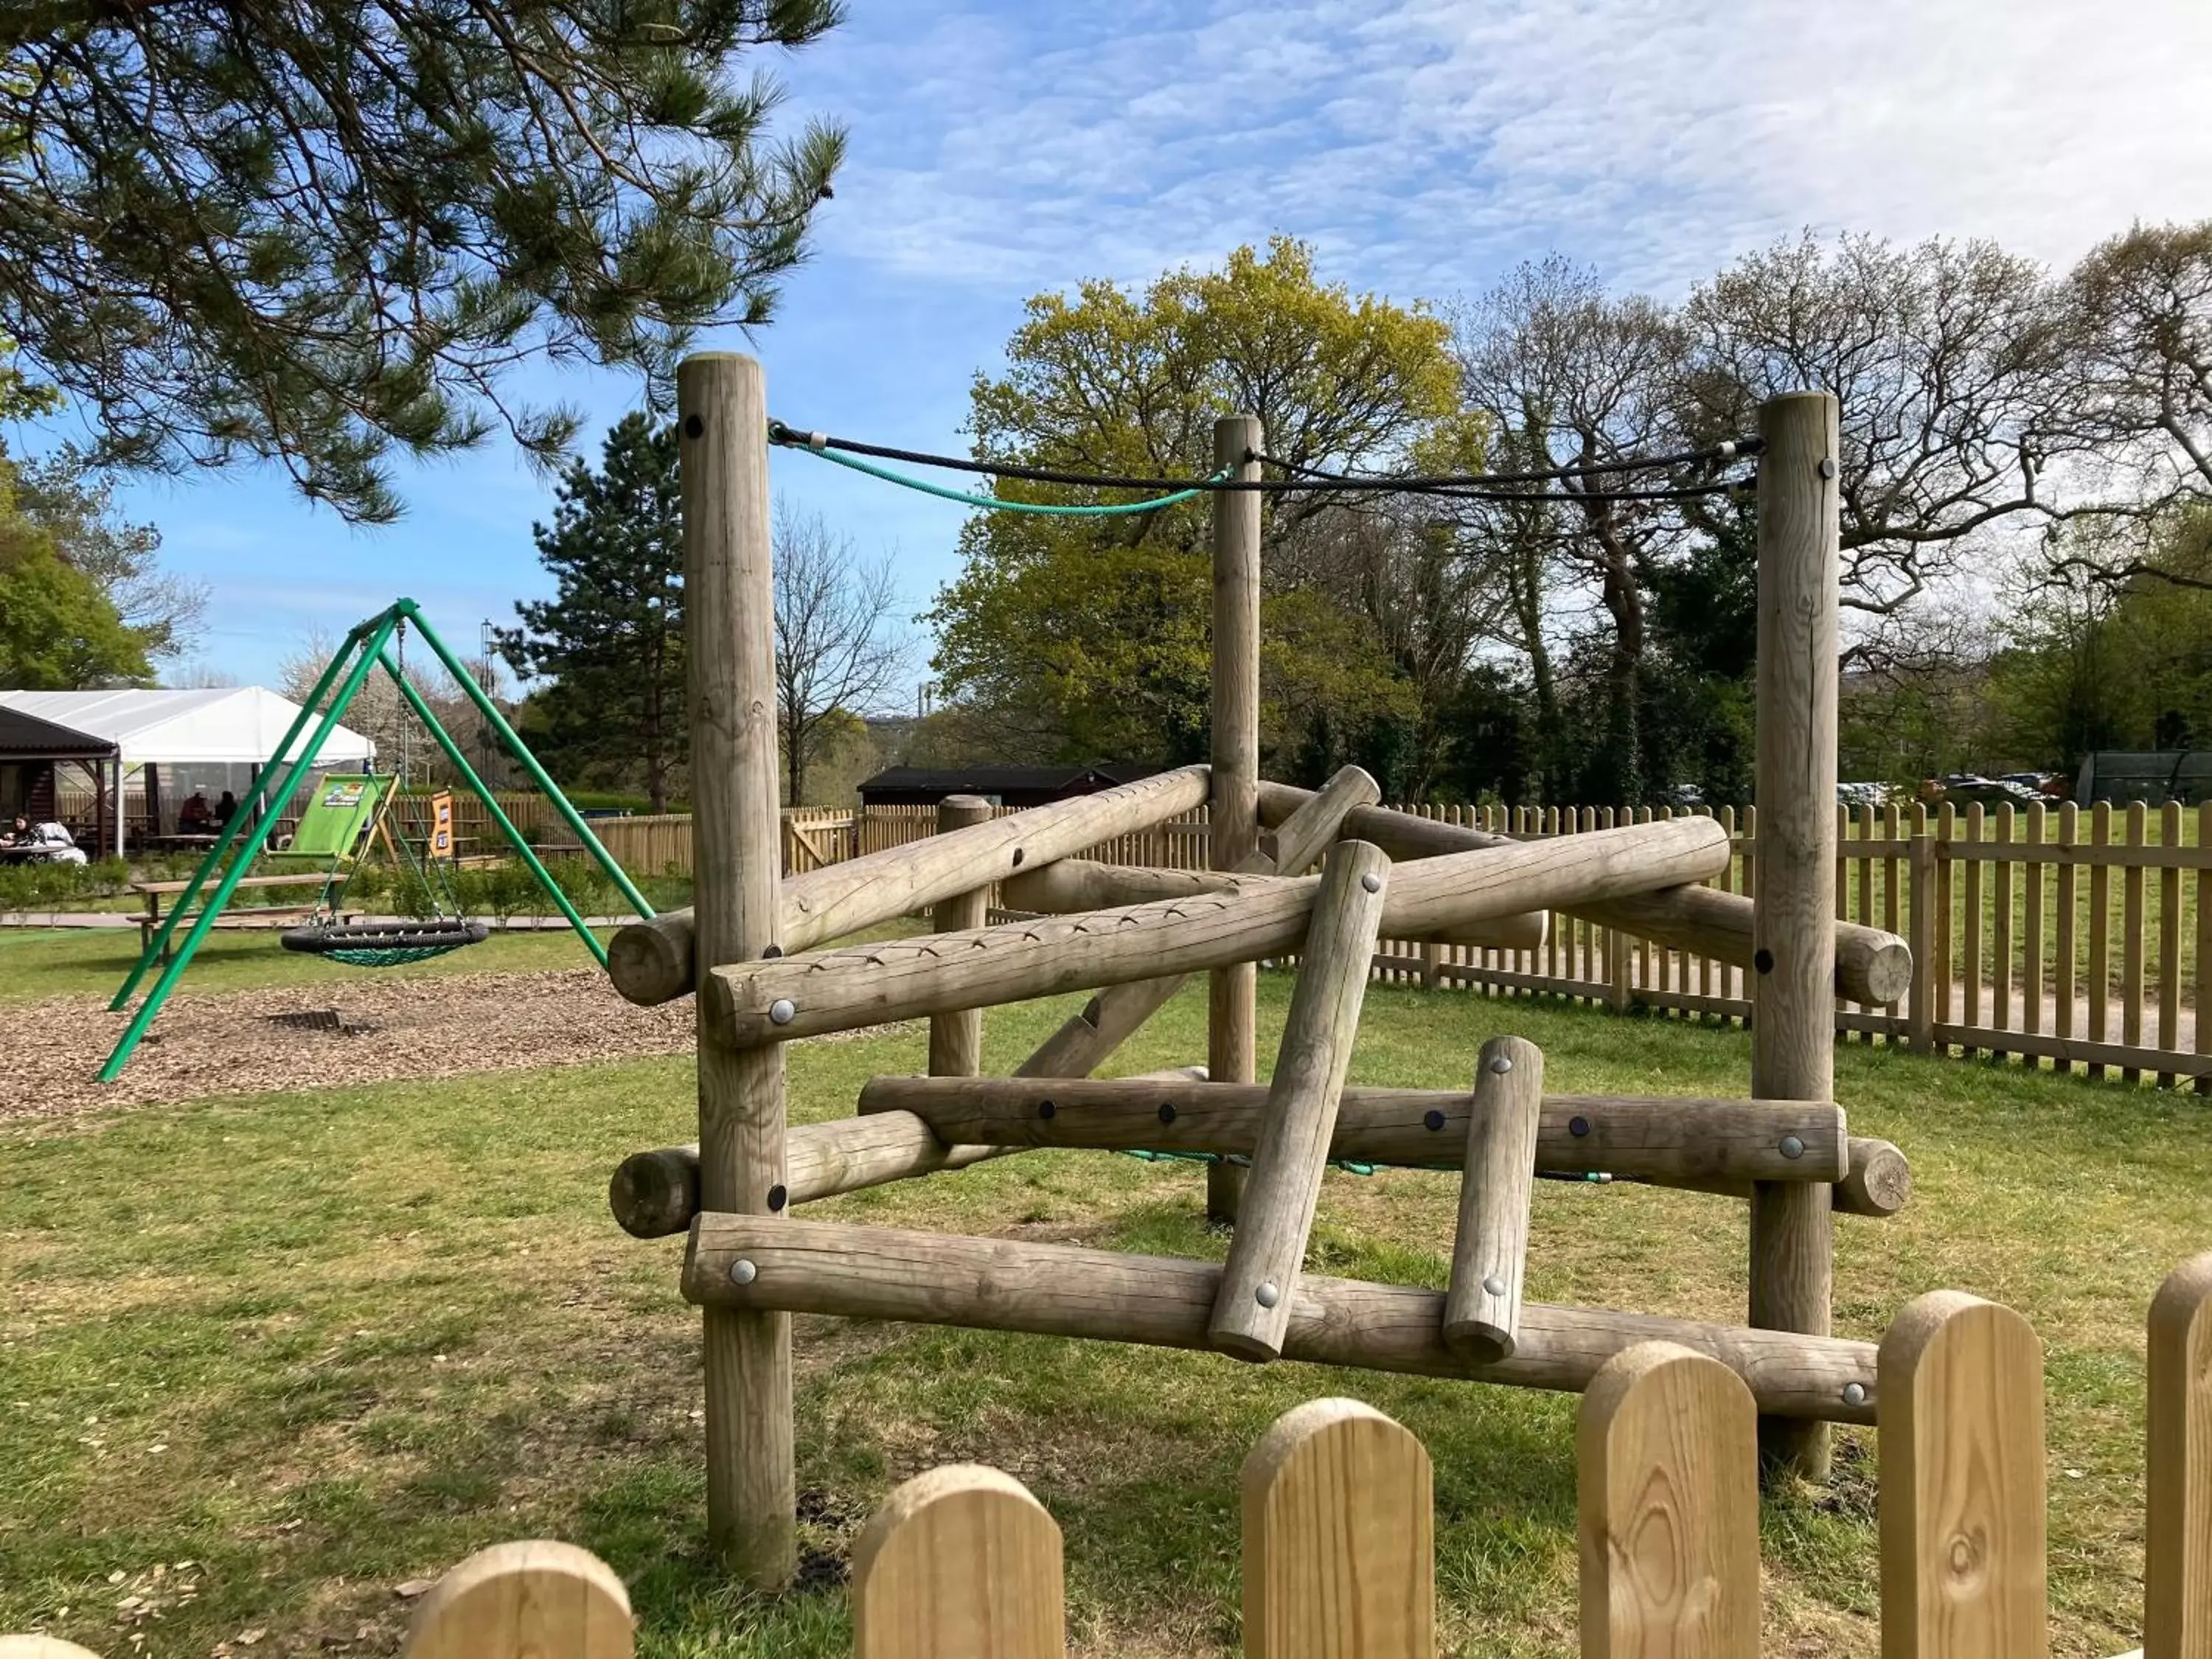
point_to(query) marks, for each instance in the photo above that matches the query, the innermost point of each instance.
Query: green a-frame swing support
(365, 647)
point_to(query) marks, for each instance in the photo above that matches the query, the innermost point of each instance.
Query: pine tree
(317, 231)
(610, 641)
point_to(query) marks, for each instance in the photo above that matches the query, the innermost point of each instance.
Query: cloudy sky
(1003, 146)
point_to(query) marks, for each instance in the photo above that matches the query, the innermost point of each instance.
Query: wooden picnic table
(259, 915)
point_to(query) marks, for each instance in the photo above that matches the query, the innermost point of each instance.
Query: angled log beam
(903, 979)
(1076, 884)
(1058, 1289)
(1283, 1187)
(1490, 1248)
(652, 961)
(1871, 966)
(1082, 1044)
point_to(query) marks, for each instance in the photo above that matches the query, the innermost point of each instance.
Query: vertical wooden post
(961, 1563)
(1339, 1550)
(2178, 1544)
(956, 1040)
(730, 642)
(1490, 1250)
(1232, 994)
(1962, 1526)
(551, 1600)
(1794, 923)
(1667, 1509)
(1920, 1018)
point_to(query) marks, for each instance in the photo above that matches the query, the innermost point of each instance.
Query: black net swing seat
(385, 944)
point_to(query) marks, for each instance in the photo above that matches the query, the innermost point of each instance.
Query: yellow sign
(442, 826)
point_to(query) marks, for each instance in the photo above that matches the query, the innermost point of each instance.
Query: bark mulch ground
(374, 1030)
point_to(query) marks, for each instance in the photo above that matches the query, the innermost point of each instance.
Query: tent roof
(227, 726)
(26, 737)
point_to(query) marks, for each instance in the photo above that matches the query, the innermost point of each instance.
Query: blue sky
(1000, 148)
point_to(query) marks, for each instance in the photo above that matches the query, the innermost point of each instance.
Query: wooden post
(1920, 1018)
(1794, 923)
(548, 1599)
(1490, 1251)
(961, 1563)
(2178, 1545)
(1232, 994)
(1666, 1466)
(1963, 1570)
(956, 1040)
(1254, 1309)
(1339, 1550)
(730, 642)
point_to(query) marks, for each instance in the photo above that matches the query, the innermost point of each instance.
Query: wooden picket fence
(1339, 1557)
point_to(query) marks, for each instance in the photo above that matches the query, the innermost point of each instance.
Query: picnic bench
(260, 915)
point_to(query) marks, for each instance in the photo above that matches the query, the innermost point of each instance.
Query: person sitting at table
(192, 818)
(225, 807)
(19, 833)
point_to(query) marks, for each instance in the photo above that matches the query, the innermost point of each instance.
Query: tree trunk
(1620, 775)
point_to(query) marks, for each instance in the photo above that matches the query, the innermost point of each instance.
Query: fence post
(1233, 802)
(959, 1563)
(1920, 870)
(956, 1040)
(1793, 1031)
(2178, 1545)
(545, 1600)
(729, 622)
(1339, 1550)
(1666, 1504)
(1963, 1573)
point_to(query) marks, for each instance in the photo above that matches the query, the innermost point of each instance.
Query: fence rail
(1338, 1524)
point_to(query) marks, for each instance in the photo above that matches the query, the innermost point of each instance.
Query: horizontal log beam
(1871, 966)
(1578, 1135)
(655, 1194)
(652, 962)
(903, 979)
(1074, 885)
(1058, 1289)
(1877, 1181)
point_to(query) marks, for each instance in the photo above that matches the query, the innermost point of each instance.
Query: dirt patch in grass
(368, 1030)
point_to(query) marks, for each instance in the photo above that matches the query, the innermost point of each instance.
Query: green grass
(93, 960)
(320, 1344)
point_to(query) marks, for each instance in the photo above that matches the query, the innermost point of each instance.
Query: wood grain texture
(1640, 1135)
(1667, 1462)
(1082, 1044)
(1872, 966)
(1340, 1546)
(1283, 1186)
(42, 1647)
(1794, 917)
(730, 655)
(961, 1563)
(524, 1600)
(1962, 1483)
(655, 1194)
(902, 979)
(1233, 815)
(2178, 1548)
(1075, 884)
(654, 960)
(956, 1038)
(1490, 1249)
(1058, 1289)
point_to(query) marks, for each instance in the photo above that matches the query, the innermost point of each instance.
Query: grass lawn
(93, 960)
(318, 1345)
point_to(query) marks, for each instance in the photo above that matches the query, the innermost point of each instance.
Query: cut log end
(655, 1194)
(650, 960)
(1879, 1182)
(1479, 1343)
(1873, 968)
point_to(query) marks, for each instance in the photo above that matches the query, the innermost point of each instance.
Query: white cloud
(1427, 144)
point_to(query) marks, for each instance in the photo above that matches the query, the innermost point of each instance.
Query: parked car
(43, 843)
(1971, 788)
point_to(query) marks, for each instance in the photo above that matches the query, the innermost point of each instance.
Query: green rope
(996, 504)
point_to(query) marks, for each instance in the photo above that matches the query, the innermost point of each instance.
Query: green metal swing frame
(365, 647)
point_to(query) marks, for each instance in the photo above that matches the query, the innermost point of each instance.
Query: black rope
(1472, 486)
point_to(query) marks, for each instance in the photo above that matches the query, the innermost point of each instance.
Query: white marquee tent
(216, 738)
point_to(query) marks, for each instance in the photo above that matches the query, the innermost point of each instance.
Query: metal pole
(159, 945)
(507, 824)
(521, 751)
(205, 920)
